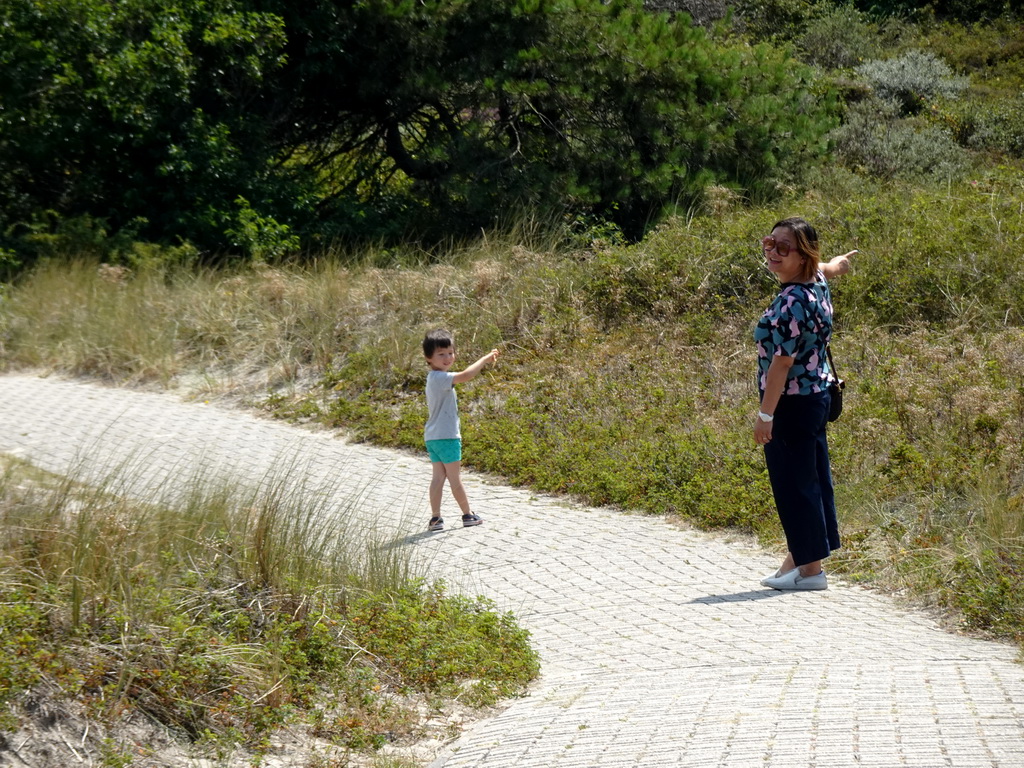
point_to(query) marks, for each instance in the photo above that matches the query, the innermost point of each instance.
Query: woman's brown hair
(806, 238)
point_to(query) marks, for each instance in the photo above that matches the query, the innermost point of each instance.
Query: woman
(793, 381)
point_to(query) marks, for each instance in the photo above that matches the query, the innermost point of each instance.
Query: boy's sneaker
(468, 520)
(435, 524)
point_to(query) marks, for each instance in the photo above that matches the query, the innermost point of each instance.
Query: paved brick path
(659, 647)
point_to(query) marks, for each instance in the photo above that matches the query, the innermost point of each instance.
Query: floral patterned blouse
(798, 324)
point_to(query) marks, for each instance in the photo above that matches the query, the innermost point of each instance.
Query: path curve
(658, 646)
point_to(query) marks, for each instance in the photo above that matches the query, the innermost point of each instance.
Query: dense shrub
(842, 36)
(434, 641)
(875, 141)
(912, 79)
(991, 54)
(987, 125)
(773, 19)
(693, 270)
(961, 10)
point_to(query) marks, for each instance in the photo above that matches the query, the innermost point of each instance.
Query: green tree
(475, 106)
(348, 118)
(136, 110)
(954, 10)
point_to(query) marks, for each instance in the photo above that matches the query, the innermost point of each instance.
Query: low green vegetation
(230, 615)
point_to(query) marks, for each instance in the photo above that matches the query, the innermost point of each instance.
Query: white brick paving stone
(659, 647)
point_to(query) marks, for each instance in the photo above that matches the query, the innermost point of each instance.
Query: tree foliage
(367, 118)
(137, 111)
(957, 10)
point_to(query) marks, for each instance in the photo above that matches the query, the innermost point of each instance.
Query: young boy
(442, 435)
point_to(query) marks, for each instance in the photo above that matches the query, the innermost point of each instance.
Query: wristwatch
(766, 417)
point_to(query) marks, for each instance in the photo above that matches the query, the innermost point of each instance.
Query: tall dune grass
(288, 323)
(224, 612)
(280, 535)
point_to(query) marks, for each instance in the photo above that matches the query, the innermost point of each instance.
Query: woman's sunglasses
(783, 249)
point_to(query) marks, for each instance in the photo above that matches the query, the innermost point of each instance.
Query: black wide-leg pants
(801, 476)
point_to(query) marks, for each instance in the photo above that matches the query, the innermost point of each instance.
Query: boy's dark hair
(438, 339)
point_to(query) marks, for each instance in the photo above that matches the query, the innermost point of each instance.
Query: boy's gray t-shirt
(442, 407)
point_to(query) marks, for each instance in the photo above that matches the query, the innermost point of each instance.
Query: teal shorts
(445, 451)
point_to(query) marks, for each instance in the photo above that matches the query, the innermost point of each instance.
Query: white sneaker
(793, 581)
(766, 579)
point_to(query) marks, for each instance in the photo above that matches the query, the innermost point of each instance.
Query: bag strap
(831, 365)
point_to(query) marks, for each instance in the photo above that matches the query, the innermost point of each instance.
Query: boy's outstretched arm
(836, 266)
(470, 373)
